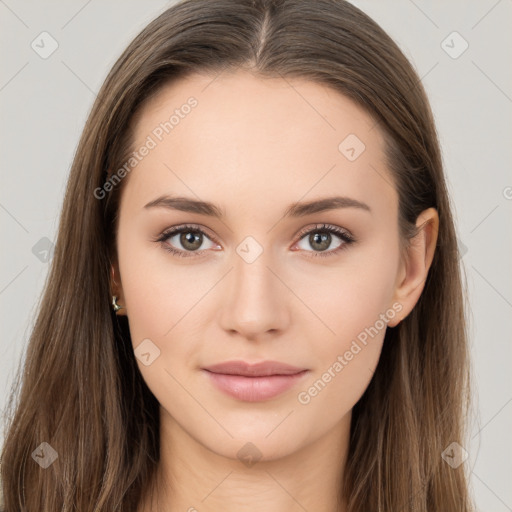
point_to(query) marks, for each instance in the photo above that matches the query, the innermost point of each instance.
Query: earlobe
(419, 257)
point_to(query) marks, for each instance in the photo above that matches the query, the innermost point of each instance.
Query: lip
(262, 369)
(254, 382)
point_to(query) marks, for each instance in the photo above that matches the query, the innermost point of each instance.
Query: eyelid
(168, 232)
(327, 227)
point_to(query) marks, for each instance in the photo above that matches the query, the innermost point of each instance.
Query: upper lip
(265, 368)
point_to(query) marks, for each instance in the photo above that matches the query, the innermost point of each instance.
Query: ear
(416, 264)
(116, 287)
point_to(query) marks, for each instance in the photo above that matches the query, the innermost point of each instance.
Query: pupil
(190, 240)
(323, 239)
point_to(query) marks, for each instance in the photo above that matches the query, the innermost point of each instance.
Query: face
(263, 276)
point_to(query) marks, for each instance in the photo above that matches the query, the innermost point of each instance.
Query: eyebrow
(299, 209)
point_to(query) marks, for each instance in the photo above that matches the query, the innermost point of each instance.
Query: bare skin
(253, 147)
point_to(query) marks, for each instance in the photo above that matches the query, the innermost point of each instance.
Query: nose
(255, 301)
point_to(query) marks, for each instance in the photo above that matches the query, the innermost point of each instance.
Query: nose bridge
(256, 300)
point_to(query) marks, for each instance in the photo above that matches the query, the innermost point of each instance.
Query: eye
(186, 241)
(320, 239)
(190, 238)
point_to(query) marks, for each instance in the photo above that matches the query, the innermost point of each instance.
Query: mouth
(254, 382)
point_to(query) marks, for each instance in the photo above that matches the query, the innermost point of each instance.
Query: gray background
(44, 104)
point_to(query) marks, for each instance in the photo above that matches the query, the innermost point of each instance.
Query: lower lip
(254, 389)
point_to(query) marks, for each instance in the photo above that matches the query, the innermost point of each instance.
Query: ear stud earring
(115, 306)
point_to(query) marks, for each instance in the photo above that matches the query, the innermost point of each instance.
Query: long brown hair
(81, 391)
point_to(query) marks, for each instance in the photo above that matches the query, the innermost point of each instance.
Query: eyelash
(347, 239)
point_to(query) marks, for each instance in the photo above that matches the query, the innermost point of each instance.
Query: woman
(255, 299)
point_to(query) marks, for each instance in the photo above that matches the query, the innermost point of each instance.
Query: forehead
(272, 137)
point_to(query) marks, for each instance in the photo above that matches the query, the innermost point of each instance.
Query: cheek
(357, 307)
(158, 290)
(346, 361)
(350, 297)
(165, 313)
(334, 390)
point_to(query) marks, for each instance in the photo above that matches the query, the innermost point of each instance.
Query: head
(269, 118)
